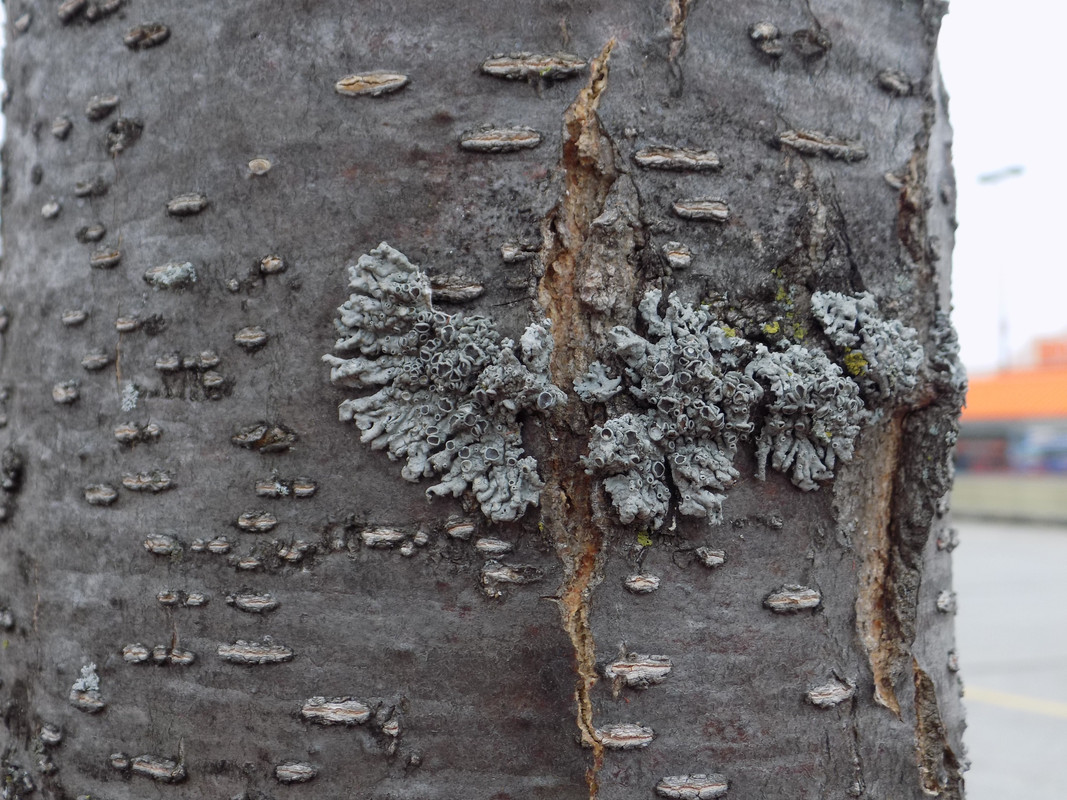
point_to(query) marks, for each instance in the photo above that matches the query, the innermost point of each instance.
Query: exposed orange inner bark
(872, 599)
(568, 507)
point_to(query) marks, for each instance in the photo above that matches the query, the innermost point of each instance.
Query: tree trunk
(626, 473)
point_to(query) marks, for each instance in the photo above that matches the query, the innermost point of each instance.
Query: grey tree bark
(662, 323)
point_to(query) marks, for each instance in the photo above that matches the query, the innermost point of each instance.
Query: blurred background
(1010, 297)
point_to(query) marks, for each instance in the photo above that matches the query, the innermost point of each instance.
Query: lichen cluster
(449, 388)
(812, 415)
(883, 356)
(680, 396)
(691, 407)
(696, 389)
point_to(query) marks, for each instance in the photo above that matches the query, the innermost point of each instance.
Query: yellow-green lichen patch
(855, 363)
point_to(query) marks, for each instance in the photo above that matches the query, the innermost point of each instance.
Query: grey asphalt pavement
(1011, 631)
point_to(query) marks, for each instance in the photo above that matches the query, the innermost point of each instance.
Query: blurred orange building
(1016, 419)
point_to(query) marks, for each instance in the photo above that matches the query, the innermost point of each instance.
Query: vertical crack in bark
(572, 513)
(913, 469)
(911, 216)
(679, 15)
(900, 495)
(873, 615)
(939, 769)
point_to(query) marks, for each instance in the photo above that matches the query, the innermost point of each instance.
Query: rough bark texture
(835, 177)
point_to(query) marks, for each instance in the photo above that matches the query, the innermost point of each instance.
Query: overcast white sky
(1001, 67)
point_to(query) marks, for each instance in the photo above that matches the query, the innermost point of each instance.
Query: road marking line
(1016, 702)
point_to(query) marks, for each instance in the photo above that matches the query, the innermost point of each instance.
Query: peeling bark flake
(265, 437)
(122, 134)
(677, 159)
(895, 82)
(814, 143)
(259, 166)
(254, 653)
(158, 768)
(766, 38)
(271, 265)
(711, 558)
(692, 787)
(500, 140)
(69, 9)
(74, 317)
(101, 494)
(95, 361)
(50, 735)
(526, 66)
(625, 736)
(792, 597)
(460, 529)
(173, 275)
(495, 573)
(371, 84)
(702, 209)
(131, 433)
(186, 205)
(257, 521)
(642, 583)
(678, 255)
(136, 653)
(336, 711)
(220, 545)
(382, 538)
(162, 544)
(154, 481)
(65, 393)
(85, 691)
(61, 127)
(305, 487)
(100, 106)
(97, 187)
(831, 694)
(490, 547)
(252, 602)
(161, 654)
(251, 338)
(144, 37)
(946, 602)
(453, 289)
(97, 10)
(294, 772)
(638, 671)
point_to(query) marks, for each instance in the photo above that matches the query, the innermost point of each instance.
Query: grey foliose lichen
(449, 388)
(884, 356)
(948, 371)
(812, 415)
(596, 386)
(693, 405)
